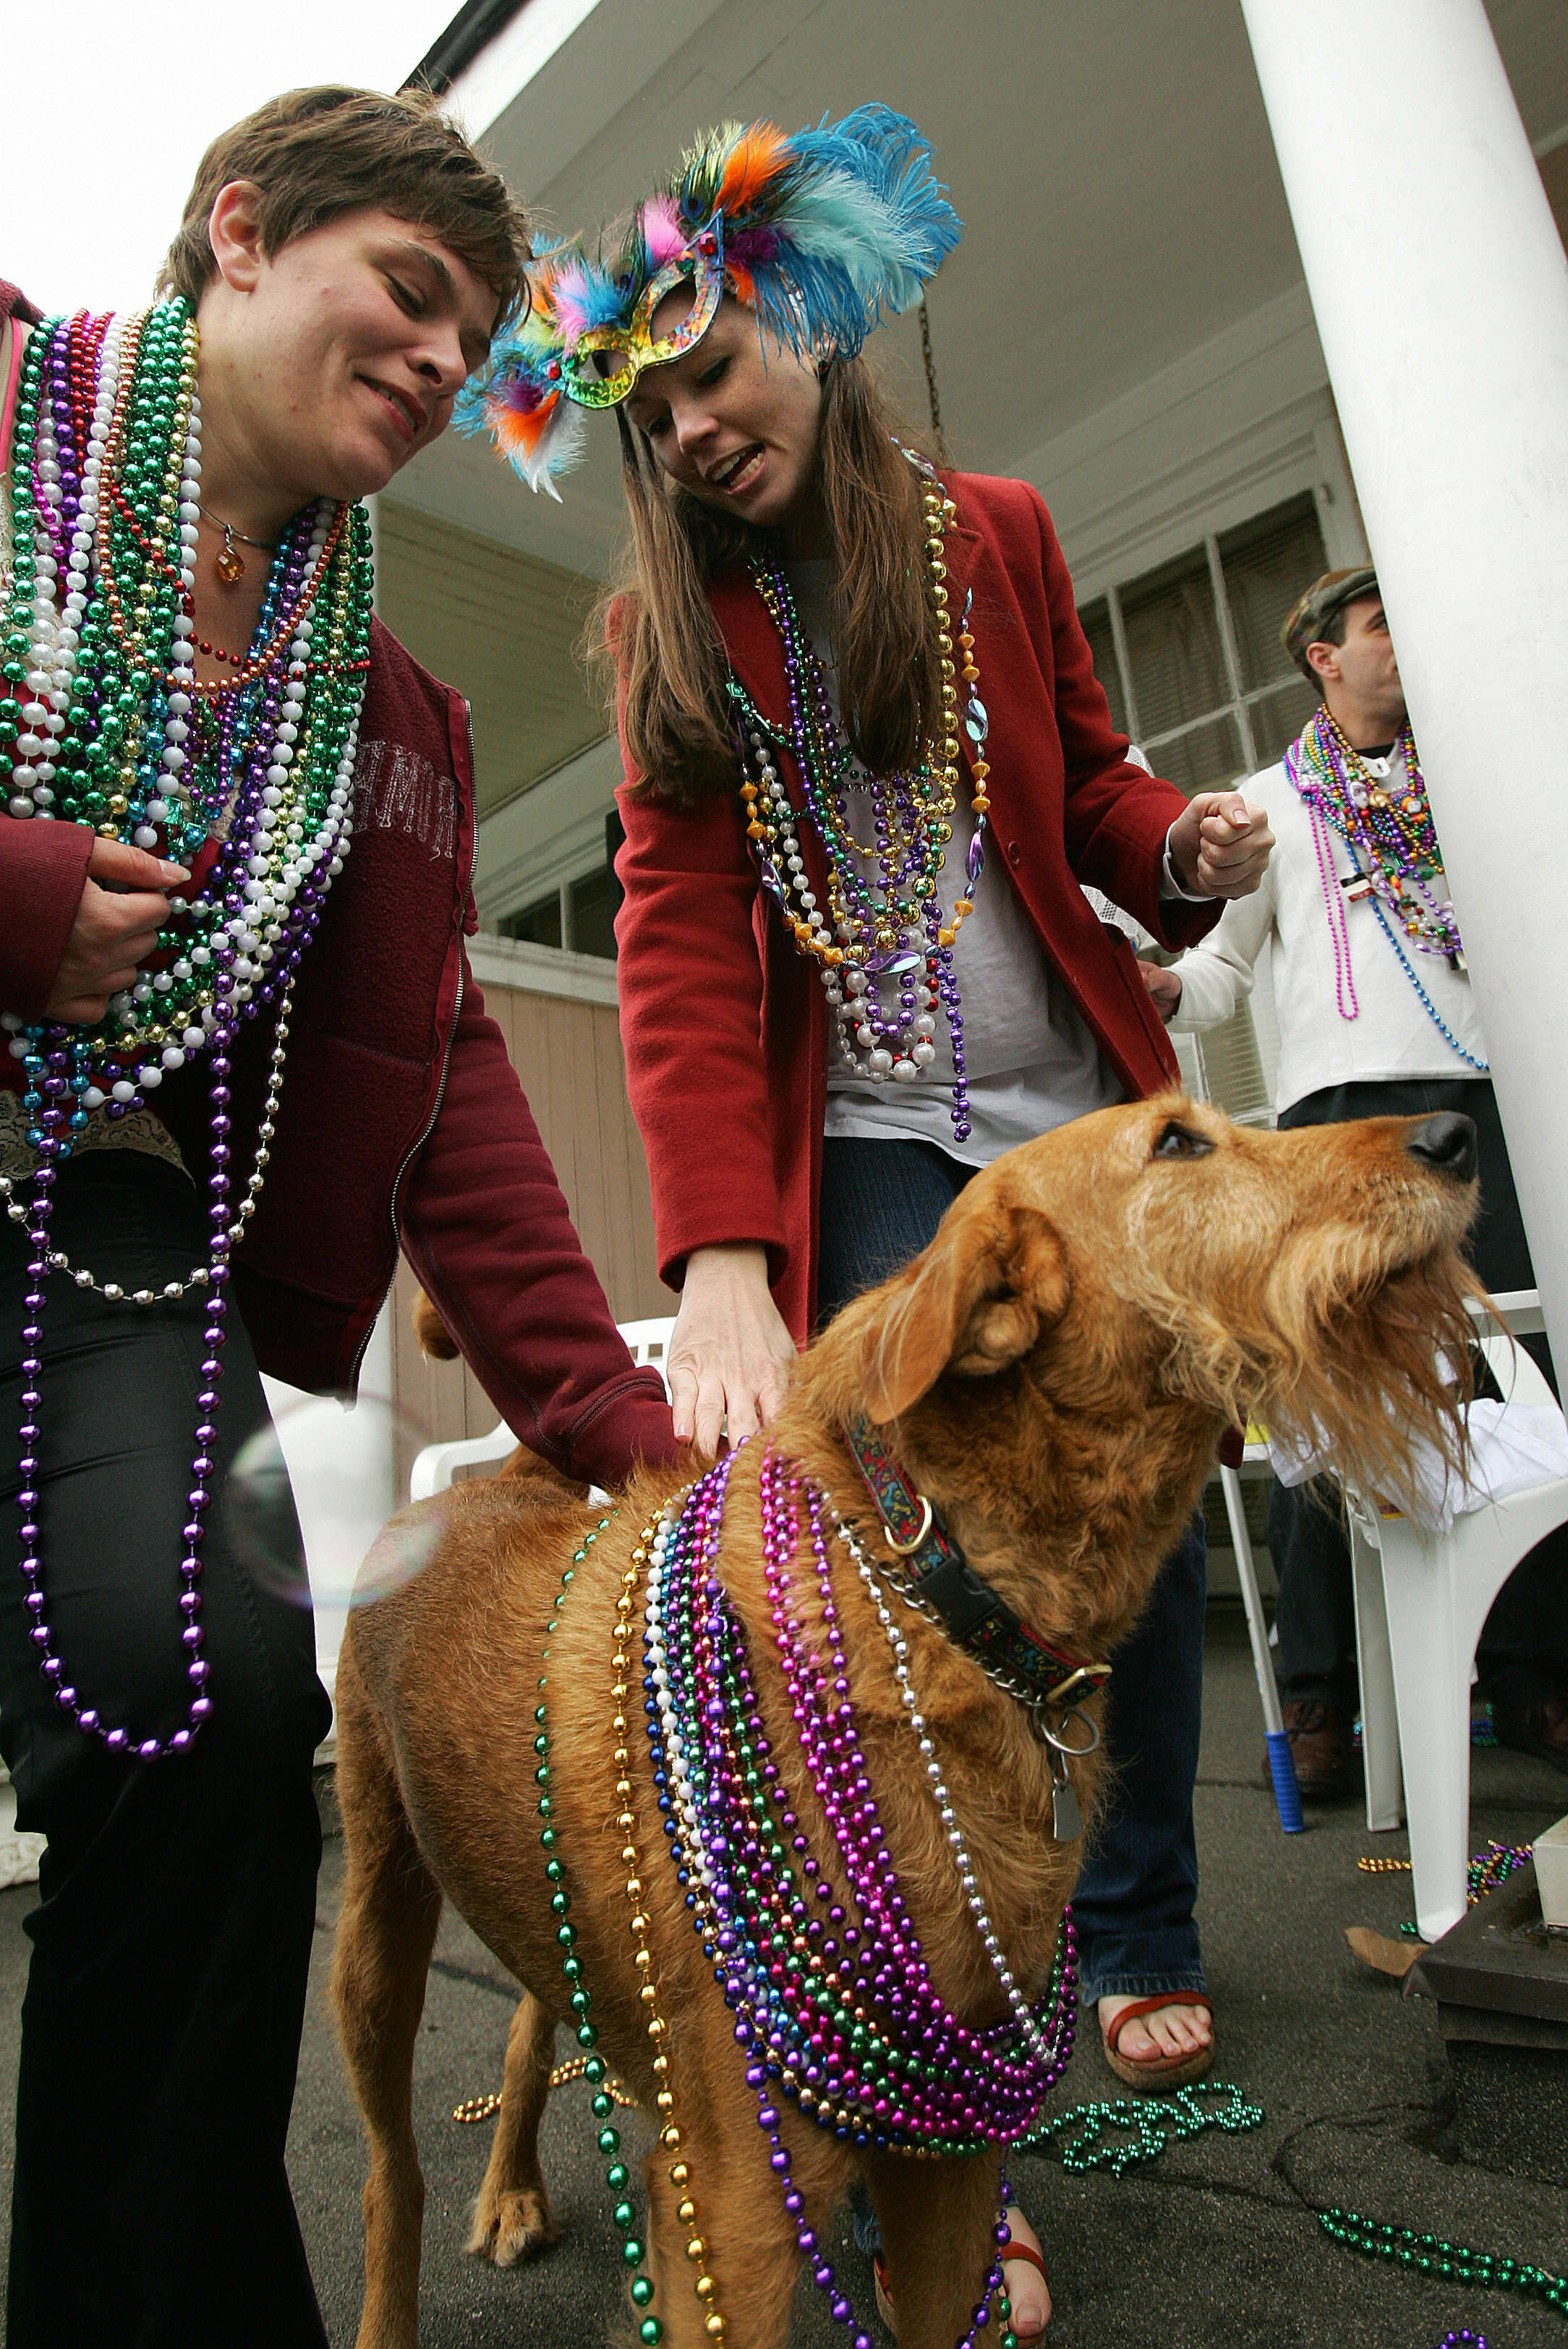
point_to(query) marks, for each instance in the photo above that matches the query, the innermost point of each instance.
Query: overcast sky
(104, 133)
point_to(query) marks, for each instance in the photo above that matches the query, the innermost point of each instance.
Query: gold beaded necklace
(670, 2134)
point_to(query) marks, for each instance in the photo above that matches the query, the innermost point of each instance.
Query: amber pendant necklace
(229, 563)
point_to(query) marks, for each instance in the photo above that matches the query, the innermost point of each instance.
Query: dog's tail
(435, 1339)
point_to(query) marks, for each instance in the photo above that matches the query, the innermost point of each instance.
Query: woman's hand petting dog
(730, 1352)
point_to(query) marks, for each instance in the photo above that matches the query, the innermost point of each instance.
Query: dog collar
(937, 1575)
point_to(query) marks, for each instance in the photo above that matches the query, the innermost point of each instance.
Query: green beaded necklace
(1147, 2124)
(617, 2176)
(1435, 2255)
(106, 722)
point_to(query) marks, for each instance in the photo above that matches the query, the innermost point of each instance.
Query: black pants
(171, 1941)
(1524, 1642)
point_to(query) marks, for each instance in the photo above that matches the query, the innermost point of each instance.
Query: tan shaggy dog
(1054, 1372)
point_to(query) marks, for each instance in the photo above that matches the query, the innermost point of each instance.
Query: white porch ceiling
(1111, 162)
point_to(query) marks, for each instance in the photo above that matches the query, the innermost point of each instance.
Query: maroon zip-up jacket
(724, 1023)
(401, 1120)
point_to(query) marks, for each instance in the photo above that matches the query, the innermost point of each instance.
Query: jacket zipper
(423, 1135)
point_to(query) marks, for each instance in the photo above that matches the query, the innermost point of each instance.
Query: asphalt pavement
(1215, 2242)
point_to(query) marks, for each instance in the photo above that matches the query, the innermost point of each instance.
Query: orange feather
(515, 431)
(757, 159)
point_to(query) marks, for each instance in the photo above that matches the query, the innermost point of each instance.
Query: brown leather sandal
(1013, 2251)
(1169, 2071)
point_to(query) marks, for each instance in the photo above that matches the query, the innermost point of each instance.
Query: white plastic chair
(433, 1468)
(1421, 1601)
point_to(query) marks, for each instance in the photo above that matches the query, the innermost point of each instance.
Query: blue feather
(859, 224)
(866, 197)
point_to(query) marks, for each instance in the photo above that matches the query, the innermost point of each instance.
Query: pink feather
(662, 231)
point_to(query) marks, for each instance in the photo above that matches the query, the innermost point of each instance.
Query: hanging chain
(944, 454)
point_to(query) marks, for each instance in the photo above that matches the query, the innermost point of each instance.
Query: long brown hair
(657, 635)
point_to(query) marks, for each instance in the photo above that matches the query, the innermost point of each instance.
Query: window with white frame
(1189, 654)
(579, 915)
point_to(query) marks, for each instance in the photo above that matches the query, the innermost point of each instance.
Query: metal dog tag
(1066, 1819)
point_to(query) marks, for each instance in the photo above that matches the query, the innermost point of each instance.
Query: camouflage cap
(1310, 613)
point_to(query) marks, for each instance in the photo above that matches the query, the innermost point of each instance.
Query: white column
(1441, 293)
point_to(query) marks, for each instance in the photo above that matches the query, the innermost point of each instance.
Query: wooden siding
(569, 1057)
(503, 628)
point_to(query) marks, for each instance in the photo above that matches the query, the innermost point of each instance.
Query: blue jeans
(881, 1204)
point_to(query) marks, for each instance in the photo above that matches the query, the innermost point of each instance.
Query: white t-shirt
(1032, 1059)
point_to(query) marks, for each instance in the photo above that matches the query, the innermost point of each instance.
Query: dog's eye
(1181, 1141)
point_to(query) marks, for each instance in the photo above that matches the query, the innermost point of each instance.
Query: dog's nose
(1446, 1141)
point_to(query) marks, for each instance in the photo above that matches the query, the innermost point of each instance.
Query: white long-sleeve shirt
(1392, 1037)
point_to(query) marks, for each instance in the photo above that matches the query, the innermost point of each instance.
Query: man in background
(1375, 1019)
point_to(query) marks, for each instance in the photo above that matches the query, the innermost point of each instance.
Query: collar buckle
(917, 1540)
(938, 1581)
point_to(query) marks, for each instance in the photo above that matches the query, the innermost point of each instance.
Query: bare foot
(1026, 2287)
(1169, 2032)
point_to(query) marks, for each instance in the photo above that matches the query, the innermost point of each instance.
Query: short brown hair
(1318, 615)
(316, 154)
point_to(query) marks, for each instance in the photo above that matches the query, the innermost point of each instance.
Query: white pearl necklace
(1039, 2047)
(56, 625)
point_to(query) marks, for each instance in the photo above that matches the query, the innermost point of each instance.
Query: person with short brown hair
(316, 154)
(1321, 615)
(247, 1062)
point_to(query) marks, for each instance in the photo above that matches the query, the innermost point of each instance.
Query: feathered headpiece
(819, 234)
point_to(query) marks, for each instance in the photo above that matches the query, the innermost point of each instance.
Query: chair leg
(1374, 1669)
(1431, 1680)
(1282, 1762)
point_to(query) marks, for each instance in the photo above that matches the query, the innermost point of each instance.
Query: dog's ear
(974, 1302)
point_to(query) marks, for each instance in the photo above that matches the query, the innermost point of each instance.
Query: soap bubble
(308, 1500)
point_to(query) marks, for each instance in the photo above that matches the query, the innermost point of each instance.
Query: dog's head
(1138, 1278)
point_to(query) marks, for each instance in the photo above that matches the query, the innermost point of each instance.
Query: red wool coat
(725, 1023)
(401, 1120)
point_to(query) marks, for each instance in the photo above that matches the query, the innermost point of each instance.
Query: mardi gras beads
(1392, 837)
(1438, 2255)
(669, 2135)
(1146, 2125)
(833, 2002)
(110, 729)
(1485, 1871)
(579, 1999)
(886, 925)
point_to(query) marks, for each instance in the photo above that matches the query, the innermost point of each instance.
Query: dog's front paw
(511, 2225)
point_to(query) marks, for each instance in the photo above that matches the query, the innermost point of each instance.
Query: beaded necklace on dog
(888, 928)
(108, 727)
(1394, 841)
(833, 1998)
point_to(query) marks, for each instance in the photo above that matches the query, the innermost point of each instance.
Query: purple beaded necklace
(106, 470)
(1393, 843)
(887, 929)
(818, 1958)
